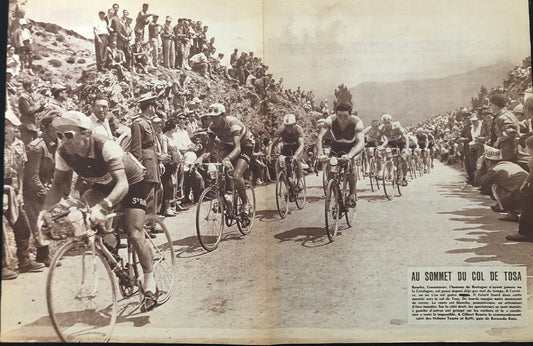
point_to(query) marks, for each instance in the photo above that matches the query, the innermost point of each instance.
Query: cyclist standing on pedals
(347, 137)
(292, 137)
(237, 148)
(116, 177)
(397, 138)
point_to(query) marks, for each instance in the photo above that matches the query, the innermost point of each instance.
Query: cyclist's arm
(405, 137)
(360, 139)
(320, 136)
(385, 141)
(271, 145)
(121, 186)
(300, 149)
(60, 187)
(236, 148)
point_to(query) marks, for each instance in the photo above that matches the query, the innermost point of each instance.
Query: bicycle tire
(164, 260)
(209, 219)
(87, 323)
(332, 212)
(388, 180)
(399, 175)
(325, 169)
(301, 192)
(245, 224)
(282, 195)
(371, 174)
(349, 212)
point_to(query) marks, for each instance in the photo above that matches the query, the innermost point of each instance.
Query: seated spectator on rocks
(12, 61)
(504, 179)
(115, 59)
(200, 64)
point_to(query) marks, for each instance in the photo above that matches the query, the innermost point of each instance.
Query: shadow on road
(486, 231)
(267, 215)
(308, 236)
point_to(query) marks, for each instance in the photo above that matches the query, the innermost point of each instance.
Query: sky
(319, 44)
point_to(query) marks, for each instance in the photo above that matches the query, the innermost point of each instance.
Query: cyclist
(237, 146)
(397, 138)
(347, 136)
(424, 143)
(375, 139)
(292, 138)
(116, 177)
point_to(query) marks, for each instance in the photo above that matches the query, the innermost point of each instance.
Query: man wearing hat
(14, 160)
(473, 134)
(28, 109)
(502, 120)
(23, 42)
(167, 36)
(38, 176)
(143, 146)
(116, 177)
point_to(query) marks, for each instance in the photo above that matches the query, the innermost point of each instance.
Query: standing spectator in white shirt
(101, 36)
(99, 118)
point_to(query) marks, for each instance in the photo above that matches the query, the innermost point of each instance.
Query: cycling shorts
(422, 145)
(397, 144)
(370, 145)
(134, 199)
(246, 152)
(289, 149)
(340, 148)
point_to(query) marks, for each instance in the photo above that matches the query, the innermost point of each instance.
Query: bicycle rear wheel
(399, 175)
(209, 219)
(164, 260)
(245, 223)
(332, 210)
(371, 174)
(301, 192)
(81, 294)
(389, 180)
(349, 212)
(282, 195)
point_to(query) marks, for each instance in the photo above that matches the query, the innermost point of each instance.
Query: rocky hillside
(65, 57)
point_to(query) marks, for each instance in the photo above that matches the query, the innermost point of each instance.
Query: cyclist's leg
(240, 167)
(135, 210)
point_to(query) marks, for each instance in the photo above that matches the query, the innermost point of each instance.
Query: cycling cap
(289, 119)
(216, 109)
(386, 117)
(73, 118)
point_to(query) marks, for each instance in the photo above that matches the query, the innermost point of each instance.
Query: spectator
(168, 37)
(200, 64)
(115, 22)
(143, 147)
(14, 159)
(503, 119)
(28, 110)
(115, 59)
(169, 178)
(182, 37)
(124, 33)
(101, 36)
(38, 175)
(233, 58)
(100, 118)
(115, 8)
(196, 37)
(141, 21)
(24, 41)
(154, 30)
(12, 61)
(473, 136)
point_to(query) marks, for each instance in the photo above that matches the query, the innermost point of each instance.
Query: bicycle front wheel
(164, 259)
(371, 174)
(389, 180)
(332, 210)
(245, 223)
(301, 192)
(81, 294)
(209, 219)
(282, 195)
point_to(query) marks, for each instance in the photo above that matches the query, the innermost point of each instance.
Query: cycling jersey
(393, 133)
(289, 140)
(424, 138)
(413, 141)
(343, 140)
(104, 157)
(231, 128)
(373, 136)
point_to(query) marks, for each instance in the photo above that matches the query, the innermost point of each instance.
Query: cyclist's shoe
(403, 182)
(30, 266)
(8, 274)
(292, 197)
(351, 201)
(425, 171)
(156, 228)
(150, 300)
(246, 209)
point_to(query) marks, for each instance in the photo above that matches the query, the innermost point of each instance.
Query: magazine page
(262, 172)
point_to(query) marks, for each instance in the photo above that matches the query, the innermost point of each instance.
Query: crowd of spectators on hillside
(493, 142)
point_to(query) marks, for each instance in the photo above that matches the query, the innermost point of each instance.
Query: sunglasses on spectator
(67, 134)
(213, 110)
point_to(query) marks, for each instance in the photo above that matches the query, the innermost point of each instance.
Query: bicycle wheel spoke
(209, 219)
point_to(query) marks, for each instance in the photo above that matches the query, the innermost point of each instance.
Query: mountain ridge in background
(410, 101)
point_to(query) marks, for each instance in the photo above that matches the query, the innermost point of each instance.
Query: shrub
(82, 61)
(60, 38)
(37, 56)
(45, 54)
(55, 62)
(71, 59)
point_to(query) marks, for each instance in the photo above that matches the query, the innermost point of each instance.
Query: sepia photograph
(266, 172)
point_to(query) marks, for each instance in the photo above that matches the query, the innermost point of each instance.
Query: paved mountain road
(286, 282)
